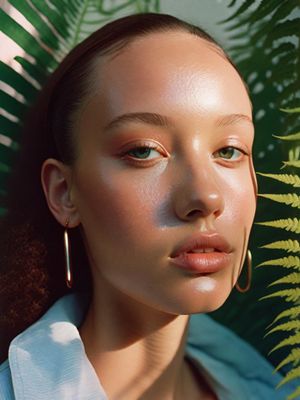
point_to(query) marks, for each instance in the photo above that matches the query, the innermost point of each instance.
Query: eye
(230, 153)
(142, 152)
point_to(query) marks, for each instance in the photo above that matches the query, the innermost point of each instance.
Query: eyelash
(152, 146)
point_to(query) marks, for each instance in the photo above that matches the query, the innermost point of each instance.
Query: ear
(56, 179)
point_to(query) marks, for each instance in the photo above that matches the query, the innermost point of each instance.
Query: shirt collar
(48, 359)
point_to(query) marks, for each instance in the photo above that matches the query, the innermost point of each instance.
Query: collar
(48, 359)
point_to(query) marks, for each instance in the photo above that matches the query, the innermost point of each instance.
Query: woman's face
(142, 186)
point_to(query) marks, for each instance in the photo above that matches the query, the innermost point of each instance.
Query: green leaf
(291, 375)
(291, 295)
(47, 36)
(9, 128)
(289, 199)
(295, 395)
(293, 278)
(293, 357)
(286, 262)
(291, 110)
(293, 312)
(294, 163)
(246, 4)
(286, 327)
(36, 72)
(11, 105)
(17, 81)
(25, 40)
(288, 224)
(284, 29)
(287, 245)
(293, 180)
(294, 136)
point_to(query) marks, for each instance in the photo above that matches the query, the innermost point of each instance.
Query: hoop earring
(68, 272)
(249, 274)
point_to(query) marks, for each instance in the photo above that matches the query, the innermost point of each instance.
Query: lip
(203, 262)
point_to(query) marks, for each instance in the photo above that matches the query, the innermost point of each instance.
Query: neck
(136, 351)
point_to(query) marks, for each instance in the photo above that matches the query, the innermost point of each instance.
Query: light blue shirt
(47, 361)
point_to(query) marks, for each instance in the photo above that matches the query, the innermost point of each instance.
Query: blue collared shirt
(47, 361)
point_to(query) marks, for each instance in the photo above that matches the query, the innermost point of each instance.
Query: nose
(198, 194)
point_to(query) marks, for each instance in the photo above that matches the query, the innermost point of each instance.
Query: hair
(31, 248)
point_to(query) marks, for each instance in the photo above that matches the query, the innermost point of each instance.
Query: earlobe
(56, 182)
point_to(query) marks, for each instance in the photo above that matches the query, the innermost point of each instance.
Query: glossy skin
(135, 211)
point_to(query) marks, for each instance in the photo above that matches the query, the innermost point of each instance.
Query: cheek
(117, 203)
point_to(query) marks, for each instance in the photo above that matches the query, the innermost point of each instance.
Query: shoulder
(232, 364)
(6, 387)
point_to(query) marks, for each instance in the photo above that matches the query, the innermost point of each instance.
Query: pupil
(228, 152)
(142, 152)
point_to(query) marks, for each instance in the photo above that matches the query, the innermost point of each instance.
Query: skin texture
(135, 211)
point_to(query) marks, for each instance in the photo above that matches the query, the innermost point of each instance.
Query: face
(143, 186)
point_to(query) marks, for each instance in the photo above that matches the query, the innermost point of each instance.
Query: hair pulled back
(32, 273)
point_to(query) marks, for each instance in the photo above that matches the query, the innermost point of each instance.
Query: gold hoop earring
(249, 274)
(68, 272)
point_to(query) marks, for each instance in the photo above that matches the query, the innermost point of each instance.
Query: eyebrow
(164, 121)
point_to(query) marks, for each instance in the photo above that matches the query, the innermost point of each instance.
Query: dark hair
(31, 248)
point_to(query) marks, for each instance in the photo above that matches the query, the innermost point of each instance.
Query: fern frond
(239, 11)
(293, 278)
(291, 110)
(295, 164)
(293, 312)
(291, 246)
(286, 327)
(294, 395)
(291, 199)
(294, 136)
(289, 295)
(286, 262)
(290, 341)
(289, 224)
(289, 179)
(291, 375)
(293, 357)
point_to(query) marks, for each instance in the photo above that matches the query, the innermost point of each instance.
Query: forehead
(169, 69)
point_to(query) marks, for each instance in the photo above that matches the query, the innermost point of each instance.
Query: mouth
(203, 253)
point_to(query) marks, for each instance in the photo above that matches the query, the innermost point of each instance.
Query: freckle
(205, 284)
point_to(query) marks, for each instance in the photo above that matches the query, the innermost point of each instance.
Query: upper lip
(203, 241)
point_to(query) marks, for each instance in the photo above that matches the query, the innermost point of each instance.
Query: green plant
(58, 25)
(265, 45)
(288, 321)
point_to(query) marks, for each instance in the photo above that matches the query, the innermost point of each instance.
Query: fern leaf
(290, 341)
(293, 180)
(294, 136)
(295, 163)
(288, 224)
(293, 278)
(291, 110)
(293, 357)
(293, 312)
(291, 246)
(239, 11)
(294, 395)
(290, 198)
(286, 262)
(291, 375)
(290, 295)
(286, 327)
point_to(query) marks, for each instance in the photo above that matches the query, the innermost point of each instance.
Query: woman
(138, 152)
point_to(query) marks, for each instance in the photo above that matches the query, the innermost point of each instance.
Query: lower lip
(205, 263)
